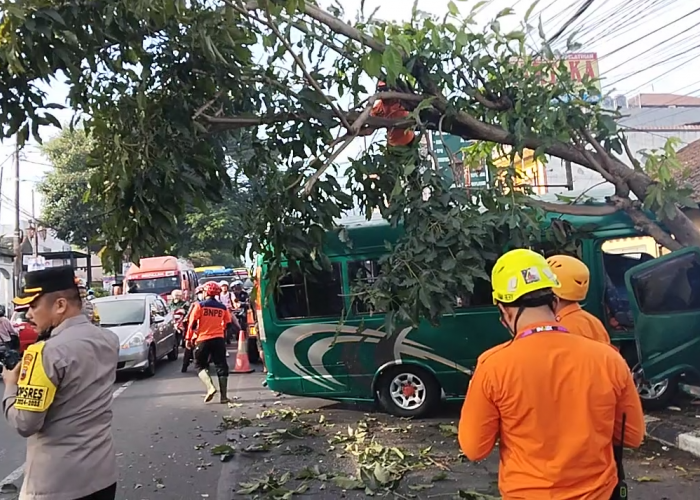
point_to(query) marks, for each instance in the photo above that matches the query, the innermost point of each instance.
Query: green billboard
(454, 145)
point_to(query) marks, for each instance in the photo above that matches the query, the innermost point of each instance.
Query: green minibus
(320, 342)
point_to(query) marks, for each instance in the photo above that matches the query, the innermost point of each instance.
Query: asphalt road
(165, 435)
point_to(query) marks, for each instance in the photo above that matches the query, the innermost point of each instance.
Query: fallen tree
(164, 86)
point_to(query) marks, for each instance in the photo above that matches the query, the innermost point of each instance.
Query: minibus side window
(479, 297)
(616, 262)
(311, 295)
(365, 272)
(670, 287)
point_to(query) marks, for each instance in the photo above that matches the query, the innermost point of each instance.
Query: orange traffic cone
(242, 362)
(249, 317)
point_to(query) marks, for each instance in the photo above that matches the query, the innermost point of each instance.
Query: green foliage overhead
(166, 86)
(68, 209)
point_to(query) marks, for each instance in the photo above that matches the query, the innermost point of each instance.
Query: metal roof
(659, 117)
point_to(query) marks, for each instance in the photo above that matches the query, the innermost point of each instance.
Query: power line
(656, 31)
(653, 65)
(586, 5)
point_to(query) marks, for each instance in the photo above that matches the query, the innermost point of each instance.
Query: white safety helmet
(223, 283)
(176, 294)
(237, 283)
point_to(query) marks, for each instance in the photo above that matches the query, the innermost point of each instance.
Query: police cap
(52, 279)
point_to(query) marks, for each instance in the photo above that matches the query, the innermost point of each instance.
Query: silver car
(145, 327)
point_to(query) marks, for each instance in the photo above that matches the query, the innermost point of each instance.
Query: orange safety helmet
(573, 275)
(211, 289)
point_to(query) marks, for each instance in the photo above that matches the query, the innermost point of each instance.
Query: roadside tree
(166, 85)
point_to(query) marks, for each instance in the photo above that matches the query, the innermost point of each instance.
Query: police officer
(206, 332)
(60, 395)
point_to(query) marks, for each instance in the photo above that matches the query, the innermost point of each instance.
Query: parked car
(146, 330)
(27, 333)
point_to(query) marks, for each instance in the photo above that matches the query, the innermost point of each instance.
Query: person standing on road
(208, 321)
(227, 299)
(555, 401)
(574, 277)
(60, 395)
(176, 300)
(188, 356)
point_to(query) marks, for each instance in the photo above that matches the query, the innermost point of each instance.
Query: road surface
(165, 435)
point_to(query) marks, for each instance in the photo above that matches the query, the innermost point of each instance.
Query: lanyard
(551, 328)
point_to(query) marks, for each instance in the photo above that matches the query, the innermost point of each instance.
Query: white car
(145, 327)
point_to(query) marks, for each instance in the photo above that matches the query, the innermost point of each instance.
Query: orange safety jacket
(554, 401)
(583, 323)
(393, 109)
(207, 320)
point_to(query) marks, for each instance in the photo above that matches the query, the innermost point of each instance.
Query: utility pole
(569, 175)
(18, 232)
(35, 243)
(2, 174)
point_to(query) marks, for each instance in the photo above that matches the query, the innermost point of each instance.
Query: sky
(633, 58)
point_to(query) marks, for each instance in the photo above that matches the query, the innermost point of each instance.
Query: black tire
(428, 391)
(253, 354)
(175, 353)
(150, 369)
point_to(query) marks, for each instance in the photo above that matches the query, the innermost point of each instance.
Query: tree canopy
(165, 86)
(75, 212)
(67, 208)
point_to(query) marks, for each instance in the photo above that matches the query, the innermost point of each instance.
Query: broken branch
(347, 140)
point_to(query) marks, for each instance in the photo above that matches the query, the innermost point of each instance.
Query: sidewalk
(677, 426)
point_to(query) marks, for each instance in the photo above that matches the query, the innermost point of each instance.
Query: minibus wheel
(656, 396)
(408, 391)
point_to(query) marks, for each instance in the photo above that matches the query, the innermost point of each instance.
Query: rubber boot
(206, 380)
(223, 389)
(185, 361)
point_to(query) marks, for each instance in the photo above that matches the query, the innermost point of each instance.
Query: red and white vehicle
(161, 275)
(27, 333)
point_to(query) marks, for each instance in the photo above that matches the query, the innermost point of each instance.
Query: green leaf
(223, 449)
(347, 483)
(53, 14)
(393, 62)
(449, 264)
(530, 9)
(452, 8)
(373, 64)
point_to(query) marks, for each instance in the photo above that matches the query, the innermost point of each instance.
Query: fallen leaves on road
(647, 479)
(381, 465)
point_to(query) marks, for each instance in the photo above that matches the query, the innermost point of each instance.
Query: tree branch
(347, 140)
(573, 209)
(594, 162)
(621, 187)
(468, 126)
(635, 162)
(270, 23)
(644, 224)
(207, 105)
(333, 23)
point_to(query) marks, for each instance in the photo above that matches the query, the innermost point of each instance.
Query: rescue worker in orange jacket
(554, 401)
(208, 319)
(574, 277)
(390, 108)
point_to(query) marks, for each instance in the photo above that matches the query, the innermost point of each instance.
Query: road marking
(121, 389)
(17, 473)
